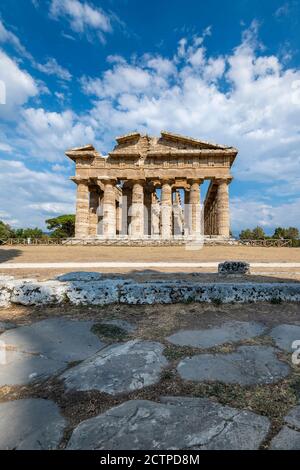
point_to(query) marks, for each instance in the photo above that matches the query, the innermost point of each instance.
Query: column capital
(106, 180)
(79, 180)
(227, 180)
(191, 181)
(141, 181)
(166, 180)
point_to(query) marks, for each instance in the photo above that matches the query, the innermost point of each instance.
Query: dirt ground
(23, 254)
(156, 323)
(48, 254)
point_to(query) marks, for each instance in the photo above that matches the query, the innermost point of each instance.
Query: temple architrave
(148, 188)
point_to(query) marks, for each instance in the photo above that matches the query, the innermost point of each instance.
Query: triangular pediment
(135, 144)
(181, 142)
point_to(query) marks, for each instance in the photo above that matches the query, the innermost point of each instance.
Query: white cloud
(19, 85)
(46, 135)
(83, 17)
(247, 99)
(36, 195)
(4, 147)
(51, 67)
(247, 213)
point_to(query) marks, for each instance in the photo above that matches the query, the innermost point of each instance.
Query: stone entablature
(135, 190)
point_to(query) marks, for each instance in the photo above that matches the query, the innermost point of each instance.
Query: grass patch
(110, 332)
(173, 353)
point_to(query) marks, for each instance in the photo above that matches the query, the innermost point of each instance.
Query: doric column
(137, 210)
(187, 213)
(155, 215)
(126, 204)
(93, 215)
(177, 214)
(82, 209)
(195, 207)
(223, 208)
(147, 211)
(166, 209)
(109, 209)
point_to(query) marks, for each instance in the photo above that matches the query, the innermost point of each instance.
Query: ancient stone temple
(148, 188)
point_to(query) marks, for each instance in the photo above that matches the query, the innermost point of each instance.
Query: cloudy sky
(74, 72)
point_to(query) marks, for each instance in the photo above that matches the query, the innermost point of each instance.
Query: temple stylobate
(149, 188)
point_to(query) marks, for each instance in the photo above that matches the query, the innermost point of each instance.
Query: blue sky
(74, 72)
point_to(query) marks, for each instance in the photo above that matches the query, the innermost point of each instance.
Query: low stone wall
(91, 289)
(150, 241)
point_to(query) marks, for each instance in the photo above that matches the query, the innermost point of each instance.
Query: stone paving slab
(286, 439)
(84, 276)
(118, 368)
(30, 424)
(248, 365)
(45, 348)
(5, 325)
(227, 332)
(185, 423)
(289, 436)
(284, 336)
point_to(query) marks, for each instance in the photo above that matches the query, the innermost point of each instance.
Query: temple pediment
(168, 144)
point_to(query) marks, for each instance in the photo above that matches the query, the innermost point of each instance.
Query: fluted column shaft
(137, 210)
(166, 210)
(93, 216)
(109, 210)
(195, 208)
(82, 210)
(223, 208)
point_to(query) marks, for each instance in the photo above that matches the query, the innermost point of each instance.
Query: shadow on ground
(7, 255)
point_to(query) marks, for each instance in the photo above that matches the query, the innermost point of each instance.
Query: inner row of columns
(134, 209)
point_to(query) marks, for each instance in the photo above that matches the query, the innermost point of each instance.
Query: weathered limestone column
(147, 211)
(177, 214)
(126, 203)
(155, 215)
(82, 209)
(195, 207)
(93, 215)
(166, 209)
(137, 210)
(109, 209)
(223, 208)
(187, 213)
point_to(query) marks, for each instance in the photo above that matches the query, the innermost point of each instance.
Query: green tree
(293, 233)
(29, 233)
(63, 226)
(279, 232)
(246, 234)
(290, 232)
(5, 231)
(258, 233)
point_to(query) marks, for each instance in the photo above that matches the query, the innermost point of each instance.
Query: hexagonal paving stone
(118, 368)
(285, 335)
(247, 366)
(176, 423)
(227, 332)
(30, 424)
(45, 348)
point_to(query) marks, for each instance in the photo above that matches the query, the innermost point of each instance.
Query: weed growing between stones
(109, 332)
